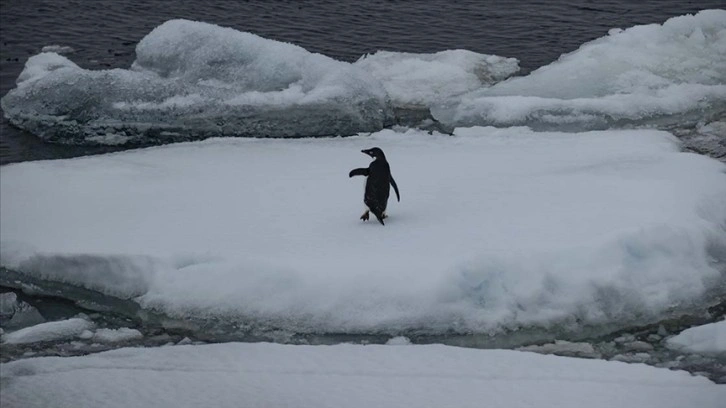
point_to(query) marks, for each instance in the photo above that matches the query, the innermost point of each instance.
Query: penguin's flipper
(395, 188)
(358, 172)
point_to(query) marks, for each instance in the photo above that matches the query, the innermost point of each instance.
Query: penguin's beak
(368, 152)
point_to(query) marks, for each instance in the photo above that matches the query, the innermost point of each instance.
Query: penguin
(378, 182)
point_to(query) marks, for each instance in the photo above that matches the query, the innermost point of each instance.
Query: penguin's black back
(378, 186)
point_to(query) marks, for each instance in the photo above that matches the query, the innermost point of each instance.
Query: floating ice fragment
(59, 49)
(194, 80)
(706, 339)
(116, 335)
(51, 331)
(398, 341)
(564, 348)
(645, 75)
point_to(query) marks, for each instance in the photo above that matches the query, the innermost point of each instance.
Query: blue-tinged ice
(194, 80)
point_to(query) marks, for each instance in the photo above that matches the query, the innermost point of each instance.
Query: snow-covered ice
(651, 74)
(496, 229)
(50, 331)
(706, 339)
(273, 375)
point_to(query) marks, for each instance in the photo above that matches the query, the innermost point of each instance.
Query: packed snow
(50, 331)
(194, 80)
(652, 74)
(497, 229)
(706, 339)
(273, 375)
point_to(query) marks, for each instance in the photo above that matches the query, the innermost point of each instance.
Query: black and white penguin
(378, 182)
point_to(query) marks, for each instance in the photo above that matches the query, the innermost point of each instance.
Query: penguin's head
(374, 152)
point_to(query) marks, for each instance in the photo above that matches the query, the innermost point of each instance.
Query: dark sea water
(104, 33)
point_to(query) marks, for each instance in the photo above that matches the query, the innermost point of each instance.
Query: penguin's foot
(365, 216)
(384, 216)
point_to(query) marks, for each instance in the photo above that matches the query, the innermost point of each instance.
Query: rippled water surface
(103, 33)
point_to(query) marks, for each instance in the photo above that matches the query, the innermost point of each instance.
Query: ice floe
(50, 331)
(497, 229)
(193, 80)
(652, 74)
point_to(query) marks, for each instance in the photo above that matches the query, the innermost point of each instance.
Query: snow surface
(669, 73)
(194, 80)
(706, 339)
(496, 229)
(273, 375)
(50, 331)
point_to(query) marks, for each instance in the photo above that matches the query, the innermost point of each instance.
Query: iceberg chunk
(707, 339)
(51, 331)
(651, 74)
(194, 80)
